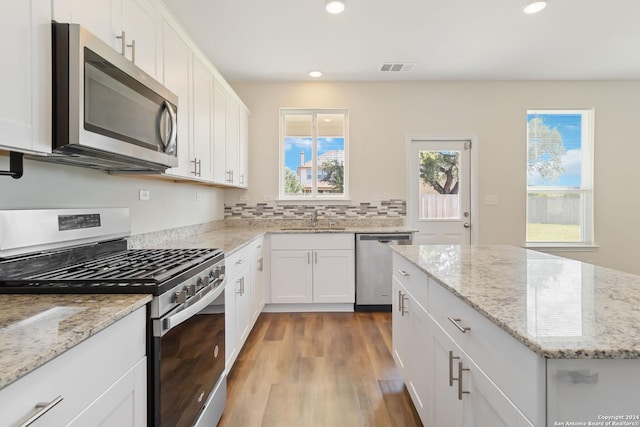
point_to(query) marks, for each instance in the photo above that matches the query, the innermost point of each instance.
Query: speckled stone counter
(36, 328)
(559, 308)
(232, 239)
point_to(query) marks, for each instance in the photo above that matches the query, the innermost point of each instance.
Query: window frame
(586, 189)
(315, 196)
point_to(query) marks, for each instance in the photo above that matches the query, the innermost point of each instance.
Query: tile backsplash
(384, 209)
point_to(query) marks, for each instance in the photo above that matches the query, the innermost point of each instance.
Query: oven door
(191, 357)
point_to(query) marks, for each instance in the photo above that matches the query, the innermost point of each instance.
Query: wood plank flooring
(318, 369)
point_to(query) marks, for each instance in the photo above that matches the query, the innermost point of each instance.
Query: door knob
(467, 225)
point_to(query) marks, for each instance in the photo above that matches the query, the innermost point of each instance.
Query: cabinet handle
(308, 257)
(43, 407)
(133, 51)
(461, 328)
(197, 166)
(451, 358)
(404, 309)
(240, 261)
(239, 290)
(241, 179)
(123, 42)
(261, 264)
(460, 391)
(315, 258)
(403, 273)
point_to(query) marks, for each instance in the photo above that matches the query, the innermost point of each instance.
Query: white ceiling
(282, 40)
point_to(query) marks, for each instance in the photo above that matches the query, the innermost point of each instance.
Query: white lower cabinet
(242, 307)
(101, 381)
(456, 379)
(312, 268)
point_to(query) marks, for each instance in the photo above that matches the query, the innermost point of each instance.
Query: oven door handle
(170, 322)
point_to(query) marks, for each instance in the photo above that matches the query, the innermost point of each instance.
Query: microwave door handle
(171, 141)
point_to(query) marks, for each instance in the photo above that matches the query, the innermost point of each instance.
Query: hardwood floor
(318, 369)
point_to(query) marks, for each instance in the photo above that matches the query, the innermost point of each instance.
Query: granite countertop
(36, 328)
(558, 307)
(232, 239)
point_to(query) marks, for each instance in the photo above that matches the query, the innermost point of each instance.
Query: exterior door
(440, 191)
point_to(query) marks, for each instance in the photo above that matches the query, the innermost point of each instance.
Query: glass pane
(554, 146)
(439, 183)
(297, 154)
(553, 217)
(330, 154)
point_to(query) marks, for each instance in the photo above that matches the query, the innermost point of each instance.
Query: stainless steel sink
(311, 228)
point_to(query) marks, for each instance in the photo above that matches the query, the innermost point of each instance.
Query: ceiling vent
(397, 66)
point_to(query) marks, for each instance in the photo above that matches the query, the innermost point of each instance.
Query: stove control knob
(181, 296)
(215, 273)
(203, 281)
(191, 289)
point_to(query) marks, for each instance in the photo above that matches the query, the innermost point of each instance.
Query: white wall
(383, 114)
(47, 185)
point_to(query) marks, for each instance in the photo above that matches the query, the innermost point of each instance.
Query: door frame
(475, 216)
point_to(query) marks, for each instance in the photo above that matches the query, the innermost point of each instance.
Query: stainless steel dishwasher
(373, 269)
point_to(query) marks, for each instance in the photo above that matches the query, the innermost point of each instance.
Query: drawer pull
(403, 308)
(461, 328)
(43, 407)
(403, 273)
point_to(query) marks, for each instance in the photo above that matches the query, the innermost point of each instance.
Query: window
(313, 154)
(560, 177)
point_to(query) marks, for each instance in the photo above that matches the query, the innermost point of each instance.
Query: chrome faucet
(314, 218)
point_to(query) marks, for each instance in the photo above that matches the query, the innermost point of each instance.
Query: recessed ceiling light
(315, 74)
(334, 6)
(534, 6)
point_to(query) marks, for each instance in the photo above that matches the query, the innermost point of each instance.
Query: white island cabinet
(485, 336)
(101, 381)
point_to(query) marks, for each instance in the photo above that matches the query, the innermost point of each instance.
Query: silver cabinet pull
(315, 257)
(451, 358)
(308, 257)
(43, 407)
(123, 42)
(460, 391)
(461, 328)
(240, 261)
(404, 309)
(133, 50)
(197, 166)
(239, 289)
(403, 273)
(467, 225)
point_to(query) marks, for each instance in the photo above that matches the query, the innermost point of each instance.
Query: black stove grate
(133, 266)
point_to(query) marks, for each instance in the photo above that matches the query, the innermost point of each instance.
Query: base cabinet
(101, 381)
(307, 268)
(448, 387)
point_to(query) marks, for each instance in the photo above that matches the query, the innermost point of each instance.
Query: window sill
(562, 247)
(313, 202)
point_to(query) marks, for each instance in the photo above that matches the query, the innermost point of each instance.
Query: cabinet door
(258, 282)
(25, 111)
(291, 277)
(100, 17)
(243, 154)
(446, 407)
(202, 120)
(124, 404)
(400, 330)
(220, 173)
(177, 78)
(243, 308)
(333, 276)
(143, 25)
(232, 141)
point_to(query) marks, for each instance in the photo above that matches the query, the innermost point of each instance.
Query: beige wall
(46, 185)
(382, 115)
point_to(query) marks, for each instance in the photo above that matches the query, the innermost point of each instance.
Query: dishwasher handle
(386, 238)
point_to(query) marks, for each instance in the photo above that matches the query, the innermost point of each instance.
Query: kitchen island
(538, 339)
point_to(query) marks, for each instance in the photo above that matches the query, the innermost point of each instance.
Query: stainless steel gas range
(85, 251)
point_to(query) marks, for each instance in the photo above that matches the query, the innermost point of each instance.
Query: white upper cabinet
(25, 111)
(108, 19)
(202, 120)
(177, 78)
(142, 25)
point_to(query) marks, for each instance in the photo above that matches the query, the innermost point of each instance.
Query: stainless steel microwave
(108, 114)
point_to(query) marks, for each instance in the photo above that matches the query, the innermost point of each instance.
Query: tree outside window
(560, 177)
(313, 154)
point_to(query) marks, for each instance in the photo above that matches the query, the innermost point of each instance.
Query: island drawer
(514, 368)
(413, 279)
